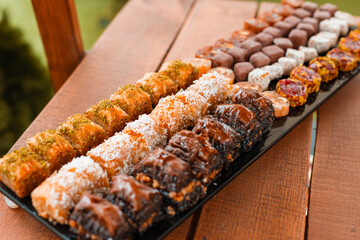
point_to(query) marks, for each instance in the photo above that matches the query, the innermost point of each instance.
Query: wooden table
(273, 198)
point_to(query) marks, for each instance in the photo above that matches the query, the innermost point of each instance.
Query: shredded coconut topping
(65, 188)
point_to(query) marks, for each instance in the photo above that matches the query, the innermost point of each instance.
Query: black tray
(281, 127)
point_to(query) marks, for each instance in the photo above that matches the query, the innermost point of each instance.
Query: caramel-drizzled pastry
(172, 176)
(293, 3)
(59, 193)
(270, 17)
(244, 122)
(226, 72)
(246, 85)
(283, 10)
(325, 67)
(344, 60)
(182, 73)
(133, 100)
(22, 171)
(308, 76)
(203, 65)
(52, 148)
(95, 218)
(208, 52)
(222, 137)
(197, 150)
(259, 104)
(109, 116)
(242, 35)
(351, 45)
(293, 90)
(255, 25)
(139, 202)
(82, 133)
(280, 104)
(225, 44)
(157, 85)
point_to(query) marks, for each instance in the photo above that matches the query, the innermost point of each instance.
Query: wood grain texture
(60, 33)
(334, 210)
(268, 200)
(134, 43)
(18, 224)
(181, 232)
(209, 21)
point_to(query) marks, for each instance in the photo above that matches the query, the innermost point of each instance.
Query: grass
(350, 6)
(93, 15)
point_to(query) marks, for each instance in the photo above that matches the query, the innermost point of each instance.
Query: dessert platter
(136, 165)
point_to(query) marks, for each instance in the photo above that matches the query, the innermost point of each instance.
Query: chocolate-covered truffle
(302, 13)
(239, 54)
(331, 8)
(298, 38)
(273, 31)
(310, 6)
(284, 27)
(264, 38)
(223, 60)
(242, 70)
(321, 15)
(292, 20)
(308, 28)
(259, 60)
(251, 46)
(273, 52)
(312, 21)
(283, 43)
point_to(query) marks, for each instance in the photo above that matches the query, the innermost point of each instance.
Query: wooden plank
(334, 209)
(210, 21)
(203, 28)
(17, 224)
(181, 232)
(128, 48)
(60, 33)
(134, 43)
(268, 200)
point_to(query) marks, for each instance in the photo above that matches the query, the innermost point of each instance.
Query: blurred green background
(25, 85)
(23, 66)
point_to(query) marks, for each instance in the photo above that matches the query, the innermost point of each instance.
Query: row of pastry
(54, 198)
(173, 179)
(24, 169)
(278, 40)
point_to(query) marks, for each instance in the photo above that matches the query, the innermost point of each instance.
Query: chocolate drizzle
(196, 150)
